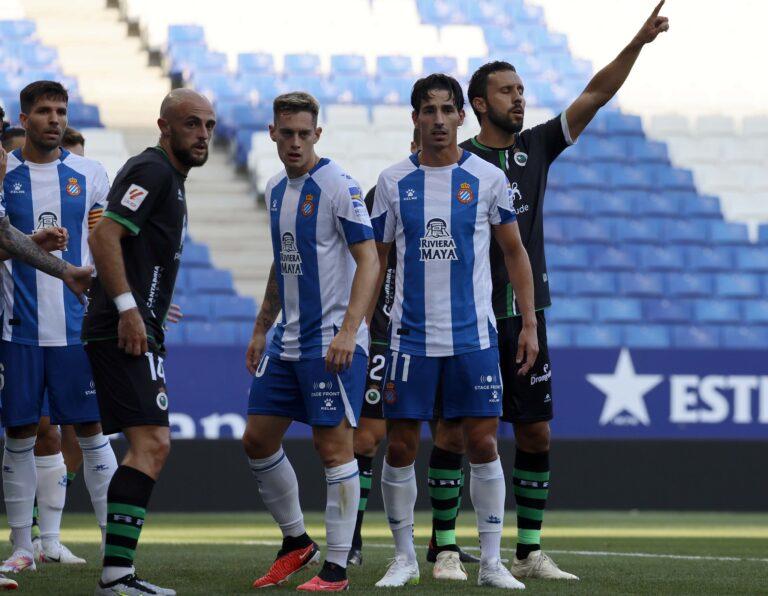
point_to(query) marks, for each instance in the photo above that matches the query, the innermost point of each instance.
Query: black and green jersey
(379, 327)
(148, 199)
(526, 163)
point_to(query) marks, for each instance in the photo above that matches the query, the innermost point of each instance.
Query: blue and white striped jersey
(440, 219)
(39, 309)
(313, 219)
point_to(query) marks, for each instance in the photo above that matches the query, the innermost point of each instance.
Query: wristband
(125, 302)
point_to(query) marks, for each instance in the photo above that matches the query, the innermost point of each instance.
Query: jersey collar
(62, 155)
(479, 145)
(414, 157)
(162, 152)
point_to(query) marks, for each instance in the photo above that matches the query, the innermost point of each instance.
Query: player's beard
(503, 121)
(185, 156)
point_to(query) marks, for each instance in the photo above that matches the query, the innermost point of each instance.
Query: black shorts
(377, 359)
(528, 398)
(130, 389)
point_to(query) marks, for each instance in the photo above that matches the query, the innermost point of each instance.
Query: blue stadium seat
(668, 178)
(301, 64)
(685, 232)
(571, 177)
(16, 29)
(233, 308)
(559, 283)
(694, 205)
(571, 310)
(640, 231)
(755, 311)
(752, 259)
(716, 311)
(604, 150)
(182, 283)
(250, 117)
(174, 334)
(210, 281)
(662, 258)
(667, 311)
(641, 285)
(195, 255)
(630, 178)
(624, 124)
(348, 65)
(194, 308)
(642, 151)
(619, 310)
(38, 57)
(265, 86)
(310, 83)
(655, 205)
(709, 259)
(567, 257)
(744, 338)
(554, 230)
(597, 336)
(690, 336)
(185, 34)
(83, 115)
(689, 285)
(221, 85)
(395, 90)
(591, 283)
(559, 336)
(726, 232)
(647, 336)
(738, 285)
(256, 63)
(592, 231)
(613, 259)
(212, 334)
(609, 204)
(394, 66)
(762, 234)
(445, 64)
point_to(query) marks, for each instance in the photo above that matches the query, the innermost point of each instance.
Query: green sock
(365, 466)
(70, 478)
(531, 481)
(446, 477)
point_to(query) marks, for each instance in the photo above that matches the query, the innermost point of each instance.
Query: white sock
(398, 489)
(99, 464)
(51, 494)
(19, 484)
(279, 490)
(488, 492)
(343, 498)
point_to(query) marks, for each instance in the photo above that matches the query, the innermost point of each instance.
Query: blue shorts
(31, 372)
(304, 391)
(468, 385)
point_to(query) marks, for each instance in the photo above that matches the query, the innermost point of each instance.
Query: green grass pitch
(613, 553)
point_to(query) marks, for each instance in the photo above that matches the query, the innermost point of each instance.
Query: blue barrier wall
(598, 393)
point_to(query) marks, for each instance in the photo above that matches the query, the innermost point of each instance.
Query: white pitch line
(582, 553)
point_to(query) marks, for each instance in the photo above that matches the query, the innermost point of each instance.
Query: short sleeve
(502, 210)
(351, 216)
(382, 213)
(135, 193)
(554, 136)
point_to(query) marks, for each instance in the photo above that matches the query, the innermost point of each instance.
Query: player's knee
(48, 441)
(481, 447)
(161, 449)
(366, 443)
(401, 450)
(450, 437)
(533, 438)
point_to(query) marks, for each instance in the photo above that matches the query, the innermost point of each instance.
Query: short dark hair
(38, 90)
(72, 137)
(295, 102)
(478, 84)
(434, 82)
(10, 133)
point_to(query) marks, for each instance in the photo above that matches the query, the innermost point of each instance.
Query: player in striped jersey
(440, 207)
(46, 186)
(314, 369)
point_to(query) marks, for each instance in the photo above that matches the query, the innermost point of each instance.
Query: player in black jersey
(496, 93)
(137, 248)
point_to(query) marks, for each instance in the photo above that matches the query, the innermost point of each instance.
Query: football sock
(70, 478)
(279, 490)
(531, 480)
(127, 499)
(446, 477)
(99, 464)
(19, 485)
(340, 511)
(51, 494)
(398, 489)
(487, 490)
(365, 465)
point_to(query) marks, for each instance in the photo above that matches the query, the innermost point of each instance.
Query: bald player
(136, 248)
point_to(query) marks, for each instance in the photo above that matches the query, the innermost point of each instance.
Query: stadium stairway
(112, 70)
(224, 215)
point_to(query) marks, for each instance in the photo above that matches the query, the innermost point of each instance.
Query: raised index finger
(658, 8)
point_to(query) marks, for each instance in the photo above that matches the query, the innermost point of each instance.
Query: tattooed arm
(19, 246)
(270, 308)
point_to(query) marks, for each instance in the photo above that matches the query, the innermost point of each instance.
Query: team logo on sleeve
(134, 197)
(308, 207)
(290, 259)
(520, 158)
(437, 243)
(73, 188)
(465, 195)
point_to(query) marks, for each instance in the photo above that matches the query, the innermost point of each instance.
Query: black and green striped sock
(531, 481)
(446, 477)
(365, 465)
(70, 478)
(127, 498)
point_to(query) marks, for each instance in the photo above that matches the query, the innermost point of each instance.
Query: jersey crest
(73, 188)
(465, 195)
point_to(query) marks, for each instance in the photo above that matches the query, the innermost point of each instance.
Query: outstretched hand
(653, 26)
